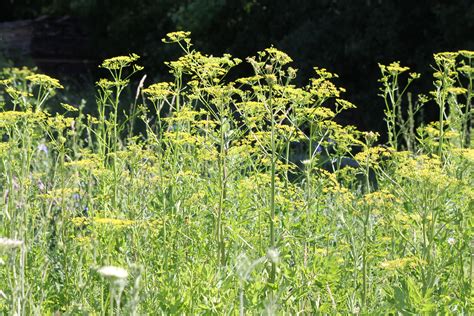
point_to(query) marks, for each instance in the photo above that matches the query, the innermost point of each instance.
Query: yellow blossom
(119, 62)
(44, 81)
(401, 263)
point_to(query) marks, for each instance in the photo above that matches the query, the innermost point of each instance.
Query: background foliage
(347, 37)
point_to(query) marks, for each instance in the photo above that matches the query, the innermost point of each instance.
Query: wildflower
(344, 104)
(175, 37)
(43, 148)
(4, 148)
(86, 164)
(451, 241)
(250, 80)
(273, 255)
(279, 56)
(119, 62)
(457, 90)
(159, 91)
(112, 272)
(292, 72)
(113, 222)
(106, 84)
(271, 79)
(467, 53)
(41, 185)
(446, 58)
(395, 68)
(16, 94)
(83, 240)
(69, 108)
(7, 243)
(57, 194)
(9, 118)
(45, 81)
(467, 70)
(323, 89)
(401, 263)
(79, 221)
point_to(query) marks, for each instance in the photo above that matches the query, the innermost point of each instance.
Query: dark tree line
(346, 36)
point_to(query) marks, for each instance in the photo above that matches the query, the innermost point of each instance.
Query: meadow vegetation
(190, 200)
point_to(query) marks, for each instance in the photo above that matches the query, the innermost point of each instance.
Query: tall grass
(220, 203)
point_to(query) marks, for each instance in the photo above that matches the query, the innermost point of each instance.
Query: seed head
(451, 241)
(112, 272)
(273, 255)
(7, 243)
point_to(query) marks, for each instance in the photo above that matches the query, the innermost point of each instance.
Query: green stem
(222, 195)
(272, 192)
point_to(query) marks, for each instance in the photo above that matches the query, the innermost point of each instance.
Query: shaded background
(68, 39)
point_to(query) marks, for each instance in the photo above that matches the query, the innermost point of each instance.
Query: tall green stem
(222, 195)
(272, 193)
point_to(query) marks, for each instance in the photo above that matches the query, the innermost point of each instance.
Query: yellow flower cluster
(445, 57)
(5, 148)
(401, 263)
(16, 94)
(9, 118)
(69, 108)
(250, 80)
(378, 200)
(114, 222)
(324, 89)
(159, 91)
(457, 90)
(344, 104)
(175, 37)
(85, 164)
(107, 84)
(59, 122)
(394, 68)
(467, 53)
(44, 81)
(465, 153)
(278, 56)
(182, 138)
(314, 114)
(466, 70)
(186, 114)
(57, 194)
(425, 169)
(119, 62)
(372, 155)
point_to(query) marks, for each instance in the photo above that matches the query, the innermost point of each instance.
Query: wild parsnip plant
(219, 196)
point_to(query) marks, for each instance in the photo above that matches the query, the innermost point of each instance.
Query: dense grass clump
(191, 201)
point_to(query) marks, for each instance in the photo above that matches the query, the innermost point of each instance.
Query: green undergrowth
(191, 201)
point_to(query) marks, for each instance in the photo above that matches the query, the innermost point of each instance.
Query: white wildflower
(113, 272)
(356, 310)
(7, 243)
(273, 255)
(451, 241)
